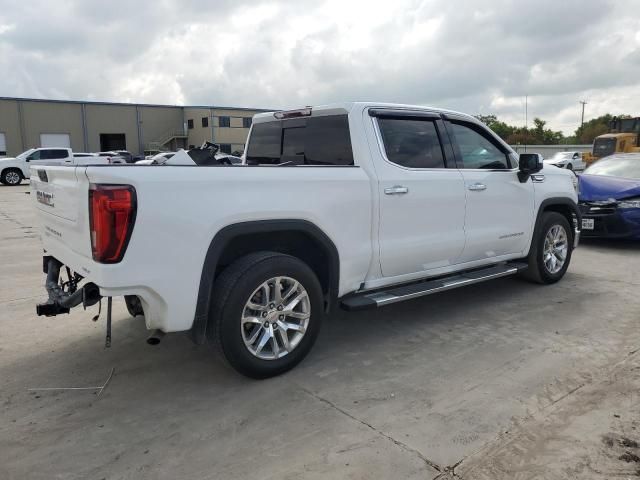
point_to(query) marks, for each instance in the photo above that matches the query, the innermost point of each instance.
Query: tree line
(539, 135)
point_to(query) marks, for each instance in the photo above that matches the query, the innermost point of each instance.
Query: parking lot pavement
(482, 378)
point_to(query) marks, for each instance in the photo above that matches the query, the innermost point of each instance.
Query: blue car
(609, 197)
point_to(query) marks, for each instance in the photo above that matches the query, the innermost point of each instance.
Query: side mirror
(529, 163)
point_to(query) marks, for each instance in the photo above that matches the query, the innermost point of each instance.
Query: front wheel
(551, 249)
(570, 167)
(266, 313)
(11, 177)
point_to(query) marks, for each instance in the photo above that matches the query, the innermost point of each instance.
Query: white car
(357, 205)
(157, 159)
(112, 157)
(569, 160)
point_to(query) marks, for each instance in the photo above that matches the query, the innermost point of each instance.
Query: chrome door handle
(477, 187)
(396, 190)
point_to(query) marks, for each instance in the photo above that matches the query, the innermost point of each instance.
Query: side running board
(380, 298)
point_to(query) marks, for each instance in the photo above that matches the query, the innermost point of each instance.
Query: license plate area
(588, 223)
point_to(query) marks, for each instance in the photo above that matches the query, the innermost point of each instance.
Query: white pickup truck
(14, 170)
(355, 205)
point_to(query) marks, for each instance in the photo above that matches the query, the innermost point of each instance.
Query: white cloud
(470, 56)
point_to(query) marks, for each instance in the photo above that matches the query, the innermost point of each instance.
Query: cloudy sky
(470, 55)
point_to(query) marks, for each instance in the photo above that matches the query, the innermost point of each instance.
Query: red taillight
(112, 211)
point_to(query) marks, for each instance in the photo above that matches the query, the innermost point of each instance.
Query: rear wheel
(266, 313)
(551, 249)
(11, 176)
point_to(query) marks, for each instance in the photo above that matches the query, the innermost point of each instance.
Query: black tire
(234, 288)
(570, 167)
(9, 176)
(537, 271)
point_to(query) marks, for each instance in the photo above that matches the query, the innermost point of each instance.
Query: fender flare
(226, 235)
(564, 201)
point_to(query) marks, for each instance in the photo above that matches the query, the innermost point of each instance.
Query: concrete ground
(499, 380)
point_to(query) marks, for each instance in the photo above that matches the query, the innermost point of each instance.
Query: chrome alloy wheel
(275, 318)
(12, 178)
(556, 247)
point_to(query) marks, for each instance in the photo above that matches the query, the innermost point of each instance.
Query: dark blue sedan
(609, 197)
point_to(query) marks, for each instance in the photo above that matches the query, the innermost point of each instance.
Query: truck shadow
(151, 374)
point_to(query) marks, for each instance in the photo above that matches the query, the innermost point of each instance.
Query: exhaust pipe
(155, 337)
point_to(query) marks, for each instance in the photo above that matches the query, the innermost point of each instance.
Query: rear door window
(54, 154)
(412, 143)
(323, 140)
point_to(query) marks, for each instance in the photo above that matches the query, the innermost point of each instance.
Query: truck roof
(346, 107)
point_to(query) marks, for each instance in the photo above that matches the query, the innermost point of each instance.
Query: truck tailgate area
(61, 200)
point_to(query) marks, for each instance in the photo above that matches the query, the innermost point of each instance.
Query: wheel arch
(565, 207)
(299, 238)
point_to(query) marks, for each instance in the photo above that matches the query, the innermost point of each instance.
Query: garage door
(3, 145)
(61, 140)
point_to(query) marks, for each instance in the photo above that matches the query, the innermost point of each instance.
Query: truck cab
(623, 137)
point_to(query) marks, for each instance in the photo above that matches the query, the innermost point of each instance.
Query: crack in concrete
(400, 444)
(540, 414)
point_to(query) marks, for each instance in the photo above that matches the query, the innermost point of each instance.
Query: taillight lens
(112, 211)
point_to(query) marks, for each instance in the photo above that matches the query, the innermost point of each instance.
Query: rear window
(301, 141)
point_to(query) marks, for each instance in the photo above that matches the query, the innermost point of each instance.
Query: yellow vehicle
(623, 137)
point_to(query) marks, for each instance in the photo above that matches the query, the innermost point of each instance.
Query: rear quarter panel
(180, 209)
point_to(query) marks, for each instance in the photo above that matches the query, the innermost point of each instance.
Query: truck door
(499, 212)
(422, 202)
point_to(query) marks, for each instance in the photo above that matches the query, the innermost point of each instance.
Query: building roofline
(125, 104)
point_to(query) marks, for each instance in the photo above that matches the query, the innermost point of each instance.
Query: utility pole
(526, 121)
(582, 121)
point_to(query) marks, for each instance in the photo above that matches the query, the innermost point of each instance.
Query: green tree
(521, 135)
(594, 127)
(500, 128)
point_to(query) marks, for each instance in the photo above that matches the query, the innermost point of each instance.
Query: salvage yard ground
(499, 380)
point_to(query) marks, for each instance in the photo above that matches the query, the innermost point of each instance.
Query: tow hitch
(63, 296)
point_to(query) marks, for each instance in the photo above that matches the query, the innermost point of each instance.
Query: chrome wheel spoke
(284, 338)
(254, 336)
(252, 320)
(256, 306)
(293, 289)
(277, 290)
(266, 335)
(294, 326)
(297, 299)
(300, 315)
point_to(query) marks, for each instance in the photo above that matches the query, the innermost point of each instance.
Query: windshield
(616, 167)
(25, 154)
(562, 155)
(604, 146)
